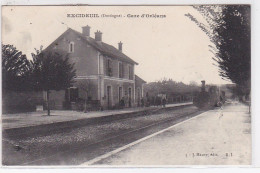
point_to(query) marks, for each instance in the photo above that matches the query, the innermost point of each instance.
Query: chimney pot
(86, 31)
(120, 46)
(98, 36)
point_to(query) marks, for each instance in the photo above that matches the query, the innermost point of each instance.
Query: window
(72, 94)
(130, 72)
(109, 96)
(109, 67)
(129, 97)
(120, 93)
(121, 70)
(71, 47)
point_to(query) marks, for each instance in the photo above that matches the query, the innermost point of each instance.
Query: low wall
(15, 102)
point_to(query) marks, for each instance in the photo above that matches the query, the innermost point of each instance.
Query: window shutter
(121, 73)
(108, 67)
(105, 67)
(123, 70)
(110, 72)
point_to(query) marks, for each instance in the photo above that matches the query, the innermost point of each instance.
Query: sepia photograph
(126, 85)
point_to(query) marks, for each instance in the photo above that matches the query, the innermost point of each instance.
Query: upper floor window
(130, 72)
(109, 67)
(120, 70)
(71, 47)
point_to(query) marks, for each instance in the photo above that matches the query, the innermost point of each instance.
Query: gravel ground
(33, 148)
(18, 120)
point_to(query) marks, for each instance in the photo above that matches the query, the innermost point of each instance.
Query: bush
(18, 108)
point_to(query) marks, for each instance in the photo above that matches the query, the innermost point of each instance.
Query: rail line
(89, 121)
(173, 120)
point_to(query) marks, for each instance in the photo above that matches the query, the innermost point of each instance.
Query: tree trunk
(85, 105)
(48, 104)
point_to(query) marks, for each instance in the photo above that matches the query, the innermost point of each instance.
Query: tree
(51, 71)
(15, 69)
(171, 88)
(228, 28)
(86, 86)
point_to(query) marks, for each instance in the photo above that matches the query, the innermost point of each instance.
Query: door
(138, 96)
(109, 97)
(130, 97)
(119, 94)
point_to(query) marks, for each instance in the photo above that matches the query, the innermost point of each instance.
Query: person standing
(164, 102)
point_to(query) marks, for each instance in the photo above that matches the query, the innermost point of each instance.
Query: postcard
(127, 86)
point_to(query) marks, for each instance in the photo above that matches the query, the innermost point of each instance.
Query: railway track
(45, 129)
(82, 152)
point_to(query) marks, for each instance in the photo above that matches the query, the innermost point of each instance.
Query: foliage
(170, 88)
(15, 69)
(85, 86)
(46, 71)
(238, 91)
(228, 28)
(51, 71)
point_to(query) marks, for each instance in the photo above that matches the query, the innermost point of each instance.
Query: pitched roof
(139, 79)
(104, 48)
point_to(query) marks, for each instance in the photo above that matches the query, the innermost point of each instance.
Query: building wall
(24, 101)
(84, 56)
(126, 86)
(56, 99)
(115, 68)
(138, 88)
(89, 85)
(91, 67)
(115, 84)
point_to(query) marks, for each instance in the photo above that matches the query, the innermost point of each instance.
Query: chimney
(86, 31)
(98, 36)
(120, 46)
(203, 87)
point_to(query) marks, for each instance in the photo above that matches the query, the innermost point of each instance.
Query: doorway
(109, 97)
(130, 97)
(138, 97)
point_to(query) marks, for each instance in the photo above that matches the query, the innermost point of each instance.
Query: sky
(171, 47)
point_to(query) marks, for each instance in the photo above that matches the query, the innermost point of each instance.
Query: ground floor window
(120, 93)
(130, 97)
(72, 94)
(138, 97)
(109, 96)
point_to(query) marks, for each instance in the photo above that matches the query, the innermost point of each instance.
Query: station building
(104, 74)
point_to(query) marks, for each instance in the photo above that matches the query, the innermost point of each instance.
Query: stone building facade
(104, 74)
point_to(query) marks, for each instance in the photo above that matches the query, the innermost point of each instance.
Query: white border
(124, 2)
(255, 9)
